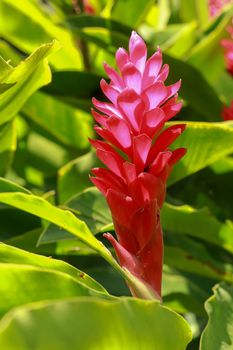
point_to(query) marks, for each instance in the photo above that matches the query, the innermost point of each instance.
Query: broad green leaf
(26, 78)
(76, 88)
(7, 51)
(12, 255)
(211, 188)
(185, 292)
(195, 89)
(5, 68)
(185, 254)
(223, 166)
(218, 334)
(163, 14)
(8, 142)
(66, 247)
(40, 207)
(175, 39)
(202, 8)
(196, 9)
(28, 26)
(73, 177)
(44, 155)
(205, 143)
(102, 38)
(84, 21)
(209, 51)
(197, 223)
(38, 284)
(224, 87)
(181, 41)
(124, 323)
(89, 206)
(68, 125)
(10, 186)
(131, 12)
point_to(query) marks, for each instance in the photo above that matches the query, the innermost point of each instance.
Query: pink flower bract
(136, 153)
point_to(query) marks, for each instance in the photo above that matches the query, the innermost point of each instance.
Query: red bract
(137, 156)
(227, 113)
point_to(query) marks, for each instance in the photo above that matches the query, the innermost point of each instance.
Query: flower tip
(108, 236)
(111, 239)
(103, 83)
(106, 66)
(134, 33)
(182, 127)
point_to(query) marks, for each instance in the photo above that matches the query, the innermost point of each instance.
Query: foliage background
(45, 123)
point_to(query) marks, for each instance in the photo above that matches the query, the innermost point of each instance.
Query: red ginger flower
(137, 156)
(227, 112)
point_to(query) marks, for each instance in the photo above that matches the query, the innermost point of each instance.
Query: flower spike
(136, 151)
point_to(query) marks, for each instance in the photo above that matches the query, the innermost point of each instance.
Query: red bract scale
(227, 45)
(136, 153)
(227, 113)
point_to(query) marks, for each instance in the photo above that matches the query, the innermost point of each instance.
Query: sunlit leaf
(147, 328)
(218, 334)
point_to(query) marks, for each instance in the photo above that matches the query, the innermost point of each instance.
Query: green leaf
(181, 40)
(26, 78)
(10, 186)
(8, 142)
(89, 206)
(12, 255)
(218, 334)
(38, 284)
(40, 207)
(84, 21)
(197, 223)
(195, 89)
(131, 12)
(197, 9)
(185, 292)
(127, 323)
(74, 87)
(68, 125)
(205, 143)
(161, 13)
(224, 87)
(209, 52)
(185, 254)
(43, 155)
(79, 168)
(27, 26)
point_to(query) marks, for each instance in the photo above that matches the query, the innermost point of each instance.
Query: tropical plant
(61, 285)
